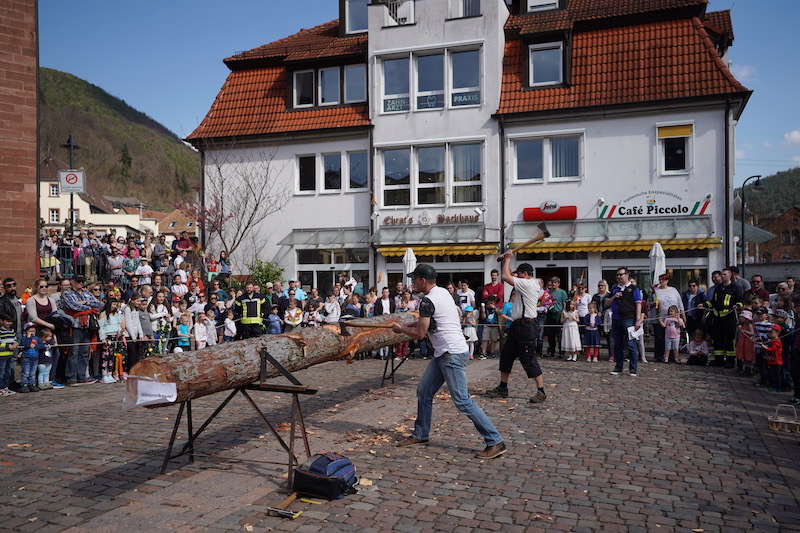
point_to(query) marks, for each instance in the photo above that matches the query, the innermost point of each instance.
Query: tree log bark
(235, 364)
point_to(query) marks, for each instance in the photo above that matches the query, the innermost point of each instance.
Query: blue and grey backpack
(326, 475)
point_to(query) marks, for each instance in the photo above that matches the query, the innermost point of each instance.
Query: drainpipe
(502, 184)
(372, 211)
(728, 191)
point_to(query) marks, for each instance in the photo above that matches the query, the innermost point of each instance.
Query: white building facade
(454, 127)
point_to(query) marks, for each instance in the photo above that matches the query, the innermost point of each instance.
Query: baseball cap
(777, 328)
(746, 315)
(525, 267)
(79, 279)
(29, 325)
(423, 271)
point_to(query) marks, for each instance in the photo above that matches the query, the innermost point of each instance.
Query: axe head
(543, 228)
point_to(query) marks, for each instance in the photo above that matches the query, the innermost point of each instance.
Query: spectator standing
(716, 279)
(757, 288)
(599, 300)
(553, 318)
(8, 346)
(494, 288)
(83, 307)
(625, 302)
(694, 300)
(114, 263)
(742, 284)
(465, 295)
(250, 309)
(726, 299)
(665, 297)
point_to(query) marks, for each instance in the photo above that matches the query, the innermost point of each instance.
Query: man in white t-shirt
(440, 320)
(522, 335)
(465, 295)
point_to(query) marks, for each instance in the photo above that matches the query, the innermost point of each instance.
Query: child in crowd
(30, 358)
(468, 323)
(491, 330)
(229, 334)
(782, 318)
(185, 331)
(591, 333)
(570, 335)
(312, 318)
(745, 349)
(8, 345)
(698, 349)
(293, 316)
(210, 323)
(762, 327)
(144, 271)
(672, 336)
(45, 361)
(274, 322)
(773, 355)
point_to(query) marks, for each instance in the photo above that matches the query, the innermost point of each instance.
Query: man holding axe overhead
(522, 336)
(440, 320)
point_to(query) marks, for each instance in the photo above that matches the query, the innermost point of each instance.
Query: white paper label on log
(143, 391)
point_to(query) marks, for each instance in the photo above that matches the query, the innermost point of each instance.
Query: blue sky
(165, 58)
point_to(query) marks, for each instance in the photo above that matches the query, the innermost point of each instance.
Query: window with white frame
(545, 64)
(467, 173)
(329, 86)
(75, 215)
(55, 216)
(332, 166)
(541, 5)
(355, 83)
(430, 175)
(397, 177)
(556, 158)
(304, 88)
(430, 81)
(674, 144)
(54, 189)
(356, 15)
(395, 85)
(436, 174)
(358, 169)
(430, 90)
(466, 74)
(307, 173)
(465, 8)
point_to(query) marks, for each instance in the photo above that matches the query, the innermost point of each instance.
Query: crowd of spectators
(118, 300)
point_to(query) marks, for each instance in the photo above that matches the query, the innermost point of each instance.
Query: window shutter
(667, 132)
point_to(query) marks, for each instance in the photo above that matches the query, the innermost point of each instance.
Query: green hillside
(776, 194)
(124, 152)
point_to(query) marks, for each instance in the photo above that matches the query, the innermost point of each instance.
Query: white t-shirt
(582, 304)
(530, 291)
(445, 331)
(386, 306)
(466, 298)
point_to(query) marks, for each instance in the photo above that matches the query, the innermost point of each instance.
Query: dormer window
(546, 64)
(541, 5)
(304, 88)
(356, 15)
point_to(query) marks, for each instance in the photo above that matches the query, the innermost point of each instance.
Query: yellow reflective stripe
(727, 300)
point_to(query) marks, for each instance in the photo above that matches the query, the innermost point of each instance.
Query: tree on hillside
(240, 193)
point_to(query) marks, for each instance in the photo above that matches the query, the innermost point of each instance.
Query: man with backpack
(440, 321)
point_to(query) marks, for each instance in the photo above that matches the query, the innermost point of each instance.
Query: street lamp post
(742, 240)
(71, 147)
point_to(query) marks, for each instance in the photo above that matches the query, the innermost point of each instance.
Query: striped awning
(622, 246)
(439, 249)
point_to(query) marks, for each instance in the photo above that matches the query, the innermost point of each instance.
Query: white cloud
(792, 137)
(766, 144)
(740, 154)
(744, 73)
(796, 159)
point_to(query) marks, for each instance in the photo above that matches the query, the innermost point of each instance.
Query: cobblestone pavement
(676, 449)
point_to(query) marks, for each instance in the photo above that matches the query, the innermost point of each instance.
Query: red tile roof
(590, 10)
(253, 100)
(719, 22)
(642, 63)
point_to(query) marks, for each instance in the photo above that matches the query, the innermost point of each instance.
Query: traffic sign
(71, 181)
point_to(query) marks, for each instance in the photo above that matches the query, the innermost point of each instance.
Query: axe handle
(539, 237)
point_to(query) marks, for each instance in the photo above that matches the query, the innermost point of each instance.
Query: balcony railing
(398, 12)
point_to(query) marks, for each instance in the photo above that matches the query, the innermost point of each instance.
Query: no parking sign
(71, 181)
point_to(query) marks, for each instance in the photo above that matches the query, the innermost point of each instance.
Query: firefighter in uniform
(724, 304)
(250, 309)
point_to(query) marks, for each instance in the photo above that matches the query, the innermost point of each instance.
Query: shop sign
(550, 210)
(426, 220)
(654, 204)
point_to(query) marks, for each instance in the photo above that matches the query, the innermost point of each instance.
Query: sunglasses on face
(42, 286)
(11, 284)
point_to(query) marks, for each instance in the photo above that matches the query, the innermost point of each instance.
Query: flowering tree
(241, 191)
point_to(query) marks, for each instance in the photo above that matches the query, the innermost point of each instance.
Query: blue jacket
(699, 300)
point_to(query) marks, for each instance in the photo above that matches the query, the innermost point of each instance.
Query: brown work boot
(490, 452)
(410, 441)
(539, 397)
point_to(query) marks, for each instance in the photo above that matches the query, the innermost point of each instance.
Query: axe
(542, 235)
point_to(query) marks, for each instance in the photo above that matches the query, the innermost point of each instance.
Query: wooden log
(235, 364)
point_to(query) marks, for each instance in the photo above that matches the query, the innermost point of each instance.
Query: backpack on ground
(327, 475)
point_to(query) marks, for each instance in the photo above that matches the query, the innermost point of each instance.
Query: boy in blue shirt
(30, 358)
(274, 322)
(8, 345)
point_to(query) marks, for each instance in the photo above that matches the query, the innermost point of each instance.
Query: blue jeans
(6, 362)
(44, 374)
(619, 331)
(451, 369)
(29, 365)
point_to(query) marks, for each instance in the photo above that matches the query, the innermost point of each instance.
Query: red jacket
(497, 290)
(774, 355)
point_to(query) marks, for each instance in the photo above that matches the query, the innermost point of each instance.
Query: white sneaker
(107, 379)
(614, 373)
(8, 392)
(634, 375)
